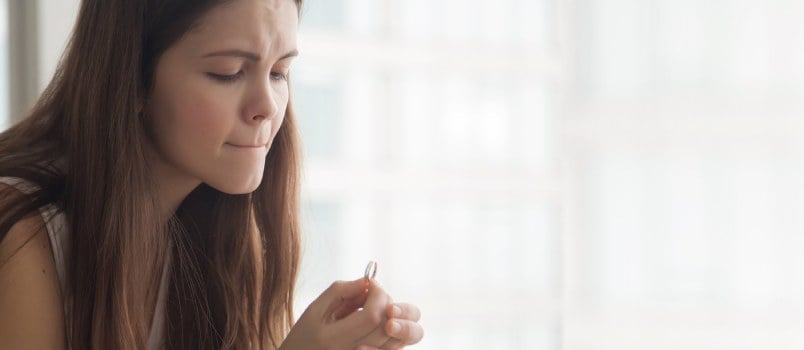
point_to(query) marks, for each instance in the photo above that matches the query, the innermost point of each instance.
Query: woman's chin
(233, 186)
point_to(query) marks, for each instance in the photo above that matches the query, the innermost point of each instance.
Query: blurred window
(428, 132)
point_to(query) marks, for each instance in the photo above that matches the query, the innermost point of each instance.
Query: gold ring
(371, 270)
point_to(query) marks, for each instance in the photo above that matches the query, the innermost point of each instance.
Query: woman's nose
(262, 105)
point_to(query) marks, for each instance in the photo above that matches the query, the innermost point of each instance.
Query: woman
(151, 197)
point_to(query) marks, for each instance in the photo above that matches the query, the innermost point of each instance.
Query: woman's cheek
(277, 122)
(206, 117)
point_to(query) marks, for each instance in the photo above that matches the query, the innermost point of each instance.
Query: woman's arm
(31, 309)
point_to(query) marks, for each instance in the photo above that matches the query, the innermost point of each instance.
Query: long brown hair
(234, 258)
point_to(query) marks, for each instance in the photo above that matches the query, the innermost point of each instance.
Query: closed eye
(225, 78)
(279, 76)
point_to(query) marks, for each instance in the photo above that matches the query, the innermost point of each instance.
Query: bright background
(4, 64)
(552, 174)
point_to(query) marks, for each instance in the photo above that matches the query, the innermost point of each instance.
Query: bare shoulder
(30, 296)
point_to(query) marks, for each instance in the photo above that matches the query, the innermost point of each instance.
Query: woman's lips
(245, 146)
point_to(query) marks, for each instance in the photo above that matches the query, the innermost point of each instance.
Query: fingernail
(396, 312)
(395, 327)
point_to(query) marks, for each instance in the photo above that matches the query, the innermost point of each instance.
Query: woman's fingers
(372, 317)
(348, 306)
(345, 290)
(403, 332)
(356, 313)
(393, 344)
(339, 296)
(402, 326)
(404, 311)
(376, 338)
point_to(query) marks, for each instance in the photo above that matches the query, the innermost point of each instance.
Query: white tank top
(57, 230)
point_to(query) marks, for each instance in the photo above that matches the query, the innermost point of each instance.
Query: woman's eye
(279, 76)
(224, 78)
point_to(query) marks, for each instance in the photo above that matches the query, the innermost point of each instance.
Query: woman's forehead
(259, 24)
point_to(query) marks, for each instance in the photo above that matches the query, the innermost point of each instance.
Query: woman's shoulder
(25, 229)
(23, 233)
(30, 297)
(48, 221)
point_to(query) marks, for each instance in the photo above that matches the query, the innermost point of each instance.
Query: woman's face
(220, 94)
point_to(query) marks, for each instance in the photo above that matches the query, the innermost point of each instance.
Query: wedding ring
(371, 270)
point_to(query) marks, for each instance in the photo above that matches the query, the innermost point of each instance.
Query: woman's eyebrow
(248, 55)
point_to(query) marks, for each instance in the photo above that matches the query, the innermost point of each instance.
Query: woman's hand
(356, 314)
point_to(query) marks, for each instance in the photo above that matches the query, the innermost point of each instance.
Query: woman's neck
(172, 185)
